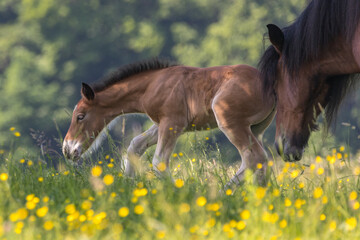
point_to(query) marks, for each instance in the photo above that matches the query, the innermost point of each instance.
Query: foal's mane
(318, 26)
(129, 70)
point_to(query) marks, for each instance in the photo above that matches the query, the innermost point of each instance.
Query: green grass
(319, 201)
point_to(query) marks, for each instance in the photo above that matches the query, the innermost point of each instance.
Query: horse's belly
(203, 121)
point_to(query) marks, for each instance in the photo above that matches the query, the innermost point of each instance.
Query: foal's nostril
(76, 153)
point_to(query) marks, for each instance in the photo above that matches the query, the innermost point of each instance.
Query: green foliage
(96, 201)
(47, 48)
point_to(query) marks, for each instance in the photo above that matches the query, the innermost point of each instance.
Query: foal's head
(88, 119)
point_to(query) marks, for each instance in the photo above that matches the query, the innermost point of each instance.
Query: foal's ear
(87, 92)
(276, 37)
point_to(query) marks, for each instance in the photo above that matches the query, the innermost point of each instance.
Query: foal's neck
(125, 96)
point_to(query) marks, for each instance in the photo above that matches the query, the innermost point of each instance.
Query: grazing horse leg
(169, 131)
(137, 148)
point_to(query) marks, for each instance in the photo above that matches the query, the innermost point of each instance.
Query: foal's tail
(259, 128)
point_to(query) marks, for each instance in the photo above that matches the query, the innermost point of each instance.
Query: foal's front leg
(167, 136)
(137, 148)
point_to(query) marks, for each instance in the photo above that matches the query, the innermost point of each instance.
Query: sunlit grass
(316, 199)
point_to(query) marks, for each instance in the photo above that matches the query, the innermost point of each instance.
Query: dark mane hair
(130, 70)
(318, 26)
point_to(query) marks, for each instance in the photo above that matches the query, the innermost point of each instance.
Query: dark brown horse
(177, 99)
(310, 67)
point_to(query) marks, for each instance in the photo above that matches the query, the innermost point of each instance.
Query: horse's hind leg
(252, 153)
(137, 148)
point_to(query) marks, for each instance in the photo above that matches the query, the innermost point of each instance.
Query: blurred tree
(48, 47)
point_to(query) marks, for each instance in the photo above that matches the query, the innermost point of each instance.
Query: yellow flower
(123, 212)
(140, 192)
(295, 173)
(245, 214)
(96, 171)
(353, 196)
(320, 171)
(276, 192)
(22, 213)
(160, 234)
(318, 192)
(110, 165)
(201, 201)
(312, 167)
(139, 209)
(226, 227)
(322, 217)
(40, 179)
(240, 225)
(22, 160)
(30, 205)
(17, 134)
(108, 179)
(48, 225)
(351, 223)
(324, 200)
(287, 202)
(184, 208)
(12, 129)
(270, 163)
(30, 163)
(356, 205)
(342, 148)
(259, 166)
(332, 226)
(174, 155)
(161, 167)
(228, 192)
(41, 212)
(260, 192)
(318, 159)
(179, 183)
(70, 209)
(357, 171)
(82, 218)
(4, 176)
(298, 203)
(283, 223)
(210, 223)
(86, 205)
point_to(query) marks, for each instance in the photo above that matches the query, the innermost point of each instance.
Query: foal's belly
(202, 121)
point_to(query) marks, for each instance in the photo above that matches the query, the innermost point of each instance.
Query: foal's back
(190, 92)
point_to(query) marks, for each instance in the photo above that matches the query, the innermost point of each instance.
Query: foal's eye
(80, 117)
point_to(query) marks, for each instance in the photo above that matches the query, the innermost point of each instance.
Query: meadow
(317, 198)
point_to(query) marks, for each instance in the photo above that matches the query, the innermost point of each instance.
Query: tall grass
(316, 199)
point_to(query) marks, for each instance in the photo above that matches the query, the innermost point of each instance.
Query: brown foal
(176, 98)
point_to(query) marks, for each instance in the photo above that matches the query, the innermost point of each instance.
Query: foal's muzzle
(71, 150)
(287, 152)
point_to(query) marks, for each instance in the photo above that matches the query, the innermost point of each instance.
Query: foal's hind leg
(137, 148)
(252, 153)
